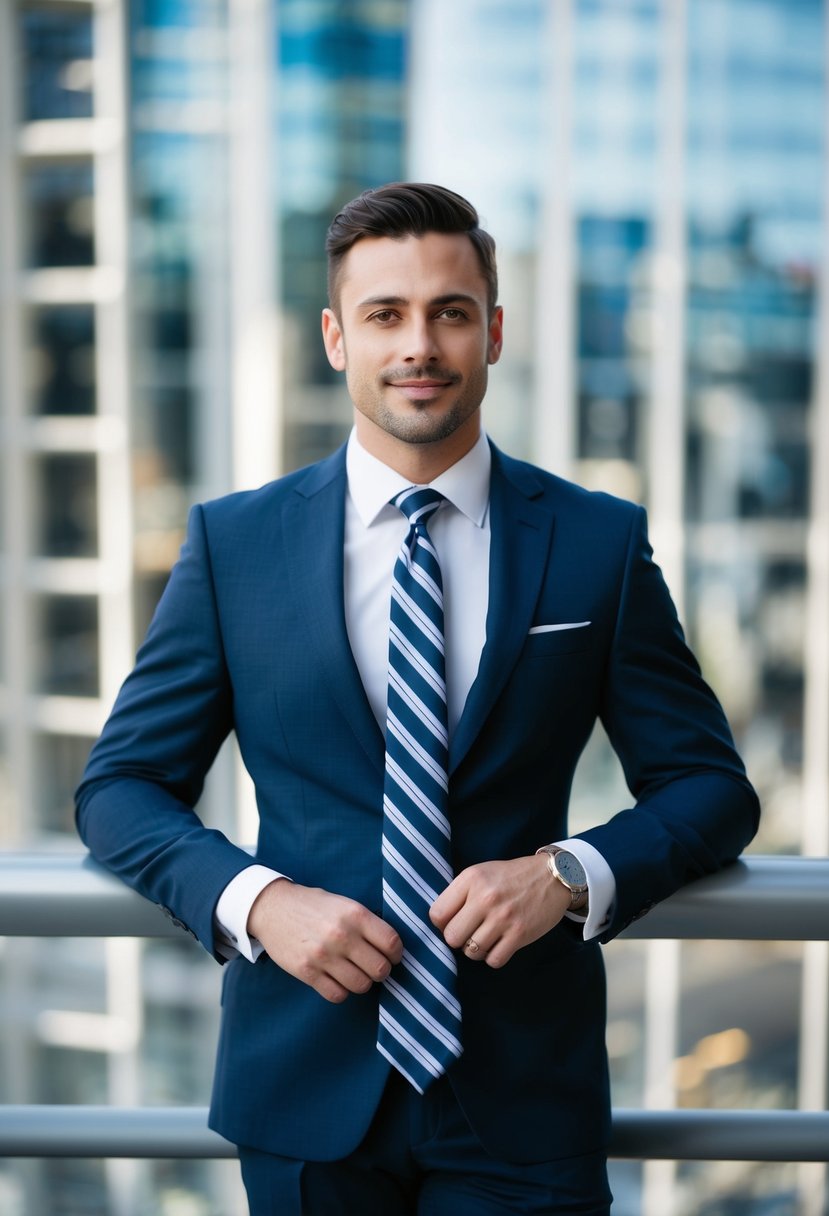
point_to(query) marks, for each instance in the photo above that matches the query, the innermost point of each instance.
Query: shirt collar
(373, 484)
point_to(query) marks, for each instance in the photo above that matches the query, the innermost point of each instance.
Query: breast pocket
(568, 638)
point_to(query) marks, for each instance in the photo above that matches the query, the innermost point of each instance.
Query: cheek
(361, 381)
(357, 350)
(357, 368)
(471, 355)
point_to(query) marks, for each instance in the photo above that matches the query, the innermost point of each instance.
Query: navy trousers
(420, 1158)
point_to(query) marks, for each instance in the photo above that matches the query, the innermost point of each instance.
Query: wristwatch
(569, 871)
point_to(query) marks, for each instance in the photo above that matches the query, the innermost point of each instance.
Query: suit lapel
(521, 534)
(314, 532)
(522, 529)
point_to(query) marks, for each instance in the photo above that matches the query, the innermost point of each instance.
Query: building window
(61, 360)
(57, 64)
(65, 645)
(59, 207)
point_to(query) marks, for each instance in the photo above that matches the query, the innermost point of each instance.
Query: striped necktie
(420, 1016)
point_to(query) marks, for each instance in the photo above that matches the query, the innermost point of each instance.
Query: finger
(468, 923)
(330, 989)
(374, 965)
(357, 934)
(449, 902)
(339, 980)
(483, 946)
(350, 977)
(383, 938)
(500, 954)
(474, 950)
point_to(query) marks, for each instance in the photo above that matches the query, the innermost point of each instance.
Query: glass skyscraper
(655, 175)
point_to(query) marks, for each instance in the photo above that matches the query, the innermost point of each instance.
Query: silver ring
(472, 946)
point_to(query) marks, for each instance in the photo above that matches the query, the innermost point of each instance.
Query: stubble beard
(419, 424)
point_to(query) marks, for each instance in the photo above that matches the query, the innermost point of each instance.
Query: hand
(329, 942)
(500, 906)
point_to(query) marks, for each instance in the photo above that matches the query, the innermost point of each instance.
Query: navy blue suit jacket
(250, 636)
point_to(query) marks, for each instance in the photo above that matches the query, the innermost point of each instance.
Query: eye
(383, 316)
(452, 314)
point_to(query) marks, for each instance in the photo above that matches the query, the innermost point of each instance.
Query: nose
(420, 342)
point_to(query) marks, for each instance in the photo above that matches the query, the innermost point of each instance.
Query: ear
(332, 336)
(496, 335)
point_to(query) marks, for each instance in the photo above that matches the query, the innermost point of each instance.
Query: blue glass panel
(57, 64)
(62, 360)
(60, 215)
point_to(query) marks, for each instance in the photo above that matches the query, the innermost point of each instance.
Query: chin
(424, 429)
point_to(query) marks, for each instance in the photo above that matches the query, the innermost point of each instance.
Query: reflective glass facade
(341, 102)
(654, 174)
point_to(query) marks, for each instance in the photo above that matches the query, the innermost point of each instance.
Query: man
(413, 640)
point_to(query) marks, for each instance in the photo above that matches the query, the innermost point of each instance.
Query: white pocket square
(556, 628)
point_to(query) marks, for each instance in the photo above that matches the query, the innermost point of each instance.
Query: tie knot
(418, 505)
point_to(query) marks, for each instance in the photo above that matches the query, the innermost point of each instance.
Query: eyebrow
(452, 297)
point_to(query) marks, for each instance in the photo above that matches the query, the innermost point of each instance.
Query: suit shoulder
(248, 504)
(567, 496)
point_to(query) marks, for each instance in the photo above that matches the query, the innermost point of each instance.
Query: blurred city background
(655, 174)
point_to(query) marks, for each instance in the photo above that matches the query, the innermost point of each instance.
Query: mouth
(421, 388)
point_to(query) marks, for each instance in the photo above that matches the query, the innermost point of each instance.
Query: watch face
(570, 869)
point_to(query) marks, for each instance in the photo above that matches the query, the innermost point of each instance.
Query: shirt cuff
(233, 909)
(601, 886)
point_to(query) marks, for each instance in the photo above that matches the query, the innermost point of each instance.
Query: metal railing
(759, 898)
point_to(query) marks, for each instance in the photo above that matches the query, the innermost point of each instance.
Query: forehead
(425, 267)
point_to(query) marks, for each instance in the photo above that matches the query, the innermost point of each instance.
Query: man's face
(414, 337)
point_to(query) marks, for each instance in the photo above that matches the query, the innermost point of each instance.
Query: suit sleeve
(695, 808)
(135, 804)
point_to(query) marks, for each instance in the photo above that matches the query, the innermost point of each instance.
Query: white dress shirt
(374, 532)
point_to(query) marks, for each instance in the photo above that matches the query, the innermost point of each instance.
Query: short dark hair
(402, 209)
